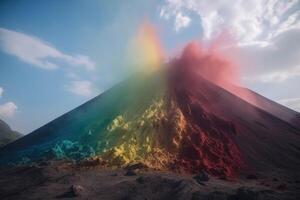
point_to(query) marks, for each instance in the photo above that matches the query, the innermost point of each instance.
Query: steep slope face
(76, 134)
(176, 120)
(276, 109)
(129, 123)
(227, 133)
(6, 134)
(269, 106)
(230, 134)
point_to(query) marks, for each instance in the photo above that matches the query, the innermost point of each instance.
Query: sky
(56, 55)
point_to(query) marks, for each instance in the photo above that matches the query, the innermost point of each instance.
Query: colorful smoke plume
(208, 61)
(165, 119)
(146, 52)
(208, 64)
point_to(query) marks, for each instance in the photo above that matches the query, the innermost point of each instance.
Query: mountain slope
(264, 141)
(268, 105)
(6, 134)
(176, 120)
(88, 120)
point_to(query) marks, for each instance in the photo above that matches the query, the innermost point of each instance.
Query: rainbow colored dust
(162, 119)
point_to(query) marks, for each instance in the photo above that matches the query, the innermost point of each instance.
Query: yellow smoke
(146, 51)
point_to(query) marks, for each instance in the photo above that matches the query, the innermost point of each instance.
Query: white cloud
(7, 110)
(1, 91)
(38, 53)
(293, 103)
(277, 76)
(277, 62)
(181, 21)
(82, 88)
(247, 20)
(266, 31)
(72, 75)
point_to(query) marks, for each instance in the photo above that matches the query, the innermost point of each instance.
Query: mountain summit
(174, 119)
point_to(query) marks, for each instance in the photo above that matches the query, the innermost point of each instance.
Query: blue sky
(55, 55)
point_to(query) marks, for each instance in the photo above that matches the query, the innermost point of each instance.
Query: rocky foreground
(66, 180)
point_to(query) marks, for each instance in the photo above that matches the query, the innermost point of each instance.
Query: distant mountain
(6, 134)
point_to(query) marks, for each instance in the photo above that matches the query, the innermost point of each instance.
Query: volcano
(173, 119)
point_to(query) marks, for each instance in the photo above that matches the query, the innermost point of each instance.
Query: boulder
(202, 176)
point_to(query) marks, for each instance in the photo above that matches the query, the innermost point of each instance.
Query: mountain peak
(166, 120)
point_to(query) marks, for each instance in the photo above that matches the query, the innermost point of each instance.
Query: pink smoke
(209, 63)
(215, 63)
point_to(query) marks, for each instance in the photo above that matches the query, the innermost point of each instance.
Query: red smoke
(214, 64)
(208, 142)
(209, 64)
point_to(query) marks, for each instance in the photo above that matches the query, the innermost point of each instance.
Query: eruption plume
(207, 63)
(146, 50)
